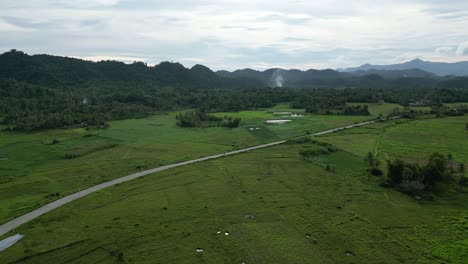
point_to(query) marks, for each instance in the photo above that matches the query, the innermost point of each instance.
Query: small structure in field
(249, 216)
(296, 115)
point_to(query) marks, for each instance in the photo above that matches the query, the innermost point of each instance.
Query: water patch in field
(279, 121)
(9, 241)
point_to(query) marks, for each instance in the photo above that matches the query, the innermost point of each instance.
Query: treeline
(441, 110)
(29, 107)
(202, 119)
(25, 106)
(42, 91)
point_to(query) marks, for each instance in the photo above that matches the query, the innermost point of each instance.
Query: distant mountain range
(438, 68)
(55, 71)
(296, 78)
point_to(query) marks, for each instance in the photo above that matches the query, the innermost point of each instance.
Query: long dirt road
(11, 225)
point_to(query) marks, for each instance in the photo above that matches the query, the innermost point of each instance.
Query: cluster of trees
(328, 101)
(202, 119)
(411, 177)
(320, 148)
(405, 112)
(441, 110)
(356, 110)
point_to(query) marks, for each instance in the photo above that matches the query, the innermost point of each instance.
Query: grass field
(35, 167)
(275, 206)
(415, 140)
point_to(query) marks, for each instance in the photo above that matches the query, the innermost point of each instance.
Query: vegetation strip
(9, 226)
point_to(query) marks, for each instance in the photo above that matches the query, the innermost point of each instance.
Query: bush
(463, 181)
(332, 148)
(412, 187)
(376, 172)
(300, 140)
(70, 155)
(313, 152)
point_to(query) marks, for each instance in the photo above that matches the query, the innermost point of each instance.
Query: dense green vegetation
(201, 119)
(41, 91)
(410, 177)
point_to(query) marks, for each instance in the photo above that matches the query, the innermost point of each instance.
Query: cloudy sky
(232, 34)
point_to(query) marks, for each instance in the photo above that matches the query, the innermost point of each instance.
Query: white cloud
(9, 27)
(238, 33)
(113, 58)
(444, 50)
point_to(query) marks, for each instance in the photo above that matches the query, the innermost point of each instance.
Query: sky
(236, 34)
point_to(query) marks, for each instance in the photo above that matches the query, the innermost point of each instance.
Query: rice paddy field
(39, 167)
(265, 206)
(410, 139)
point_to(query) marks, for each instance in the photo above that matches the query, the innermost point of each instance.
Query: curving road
(11, 225)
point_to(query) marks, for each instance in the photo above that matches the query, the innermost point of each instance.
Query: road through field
(11, 225)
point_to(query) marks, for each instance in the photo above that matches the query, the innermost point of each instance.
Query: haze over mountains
(438, 68)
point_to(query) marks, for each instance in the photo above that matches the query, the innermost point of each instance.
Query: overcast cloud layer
(234, 34)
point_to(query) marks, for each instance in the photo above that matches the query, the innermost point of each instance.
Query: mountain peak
(418, 60)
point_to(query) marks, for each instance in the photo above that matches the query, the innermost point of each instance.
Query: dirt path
(11, 225)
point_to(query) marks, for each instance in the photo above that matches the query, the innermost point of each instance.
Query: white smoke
(462, 49)
(277, 78)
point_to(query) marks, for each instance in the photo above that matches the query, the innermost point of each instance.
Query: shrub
(463, 181)
(332, 148)
(300, 140)
(376, 172)
(70, 155)
(313, 152)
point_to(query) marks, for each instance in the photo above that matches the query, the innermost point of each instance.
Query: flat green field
(266, 206)
(415, 140)
(34, 168)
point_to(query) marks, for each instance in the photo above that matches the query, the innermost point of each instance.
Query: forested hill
(43, 91)
(65, 72)
(50, 71)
